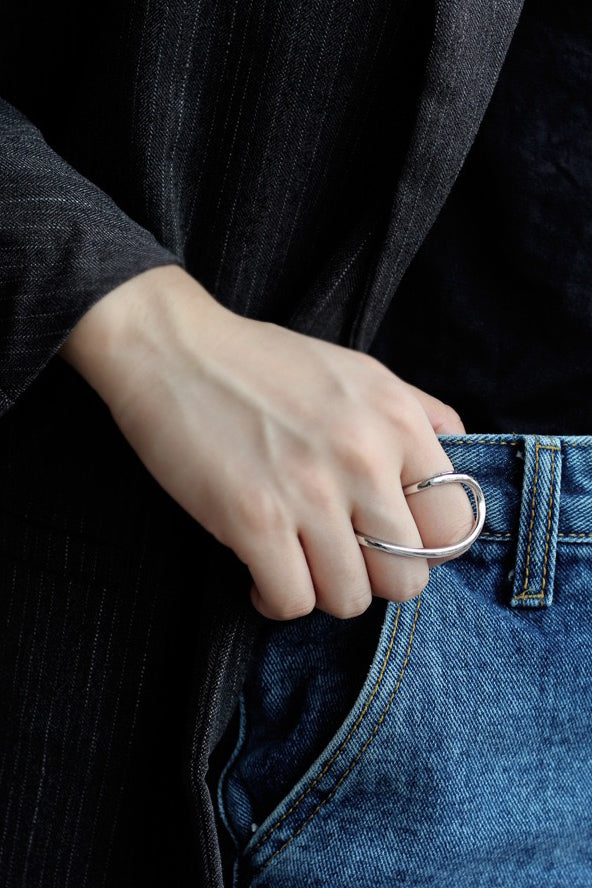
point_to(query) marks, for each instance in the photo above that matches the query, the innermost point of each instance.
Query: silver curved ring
(442, 551)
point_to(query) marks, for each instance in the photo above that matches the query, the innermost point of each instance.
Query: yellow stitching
(516, 443)
(506, 534)
(483, 441)
(507, 444)
(550, 509)
(352, 731)
(532, 510)
(362, 750)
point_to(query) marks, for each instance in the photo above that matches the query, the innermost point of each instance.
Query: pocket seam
(343, 746)
(346, 742)
(222, 788)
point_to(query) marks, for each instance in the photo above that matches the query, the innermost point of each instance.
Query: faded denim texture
(466, 759)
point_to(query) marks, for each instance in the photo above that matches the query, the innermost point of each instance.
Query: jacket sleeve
(64, 244)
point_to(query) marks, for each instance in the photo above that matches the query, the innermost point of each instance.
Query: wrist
(127, 325)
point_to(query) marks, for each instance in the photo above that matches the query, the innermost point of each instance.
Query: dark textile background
(494, 314)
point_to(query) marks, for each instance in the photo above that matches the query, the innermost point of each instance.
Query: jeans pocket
(317, 791)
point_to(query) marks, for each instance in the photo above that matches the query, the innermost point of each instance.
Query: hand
(278, 443)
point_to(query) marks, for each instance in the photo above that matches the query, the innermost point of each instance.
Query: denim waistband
(538, 493)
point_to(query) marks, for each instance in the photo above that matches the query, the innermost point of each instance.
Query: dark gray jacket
(292, 156)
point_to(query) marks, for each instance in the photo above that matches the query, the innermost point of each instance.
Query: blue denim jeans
(446, 741)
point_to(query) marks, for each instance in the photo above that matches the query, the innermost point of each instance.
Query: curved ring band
(442, 551)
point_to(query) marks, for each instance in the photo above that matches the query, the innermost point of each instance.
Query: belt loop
(539, 519)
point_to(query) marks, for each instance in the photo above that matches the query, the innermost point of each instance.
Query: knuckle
(353, 606)
(359, 451)
(451, 413)
(374, 364)
(314, 485)
(457, 528)
(446, 417)
(412, 582)
(405, 413)
(293, 608)
(396, 402)
(259, 510)
(418, 581)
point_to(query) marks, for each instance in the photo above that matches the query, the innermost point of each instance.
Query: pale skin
(277, 443)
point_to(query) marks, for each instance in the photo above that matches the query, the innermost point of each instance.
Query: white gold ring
(442, 551)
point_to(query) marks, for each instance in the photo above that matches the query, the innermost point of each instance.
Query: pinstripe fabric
(104, 627)
(291, 155)
(466, 56)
